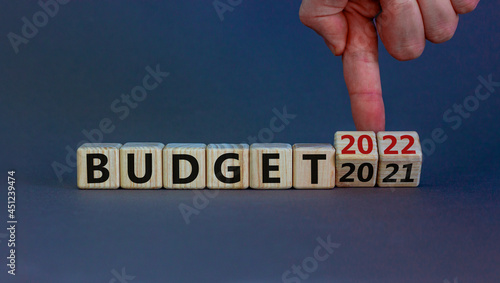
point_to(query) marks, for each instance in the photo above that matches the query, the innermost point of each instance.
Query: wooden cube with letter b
(98, 166)
(184, 166)
(313, 166)
(400, 159)
(271, 166)
(356, 159)
(227, 166)
(141, 165)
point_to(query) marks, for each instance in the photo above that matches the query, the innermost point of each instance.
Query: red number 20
(347, 150)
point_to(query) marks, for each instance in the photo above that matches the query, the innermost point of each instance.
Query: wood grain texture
(112, 153)
(399, 165)
(368, 161)
(196, 150)
(303, 175)
(140, 152)
(279, 177)
(229, 167)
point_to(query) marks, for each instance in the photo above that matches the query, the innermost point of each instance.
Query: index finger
(362, 74)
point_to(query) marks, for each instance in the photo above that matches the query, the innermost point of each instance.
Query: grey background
(226, 77)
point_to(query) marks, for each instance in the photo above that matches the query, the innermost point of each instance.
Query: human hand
(403, 26)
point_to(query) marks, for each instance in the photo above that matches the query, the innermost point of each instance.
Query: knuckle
(465, 6)
(363, 56)
(441, 33)
(408, 51)
(398, 6)
(304, 16)
(308, 18)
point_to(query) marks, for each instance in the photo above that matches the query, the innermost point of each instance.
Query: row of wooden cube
(357, 159)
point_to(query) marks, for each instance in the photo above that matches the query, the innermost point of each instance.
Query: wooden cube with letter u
(356, 159)
(400, 159)
(141, 165)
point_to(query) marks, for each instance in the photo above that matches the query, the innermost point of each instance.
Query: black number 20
(361, 168)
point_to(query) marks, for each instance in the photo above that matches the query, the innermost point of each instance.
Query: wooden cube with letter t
(400, 159)
(184, 166)
(271, 166)
(227, 166)
(98, 166)
(356, 159)
(141, 165)
(313, 166)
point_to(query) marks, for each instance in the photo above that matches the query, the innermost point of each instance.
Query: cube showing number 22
(400, 159)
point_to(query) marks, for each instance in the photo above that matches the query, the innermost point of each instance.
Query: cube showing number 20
(400, 159)
(356, 159)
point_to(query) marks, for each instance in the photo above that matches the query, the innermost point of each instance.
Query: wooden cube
(184, 166)
(356, 159)
(98, 166)
(141, 165)
(227, 166)
(271, 166)
(400, 159)
(313, 166)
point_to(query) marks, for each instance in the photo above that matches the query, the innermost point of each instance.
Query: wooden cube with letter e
(271, 166)
(356, 159)
(400, 159)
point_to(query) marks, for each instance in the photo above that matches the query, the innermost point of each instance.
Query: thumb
(326, 18)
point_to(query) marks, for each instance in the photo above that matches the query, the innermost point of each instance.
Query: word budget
(356, 159)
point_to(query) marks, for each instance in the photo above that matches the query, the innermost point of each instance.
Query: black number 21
(395, 167)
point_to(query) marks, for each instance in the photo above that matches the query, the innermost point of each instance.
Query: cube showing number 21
(400, 159)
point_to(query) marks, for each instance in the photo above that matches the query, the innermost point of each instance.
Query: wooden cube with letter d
(184, 166)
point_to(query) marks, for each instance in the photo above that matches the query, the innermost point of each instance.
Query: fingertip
(368, 111)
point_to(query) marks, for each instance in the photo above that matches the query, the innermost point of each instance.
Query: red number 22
(405, 150)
